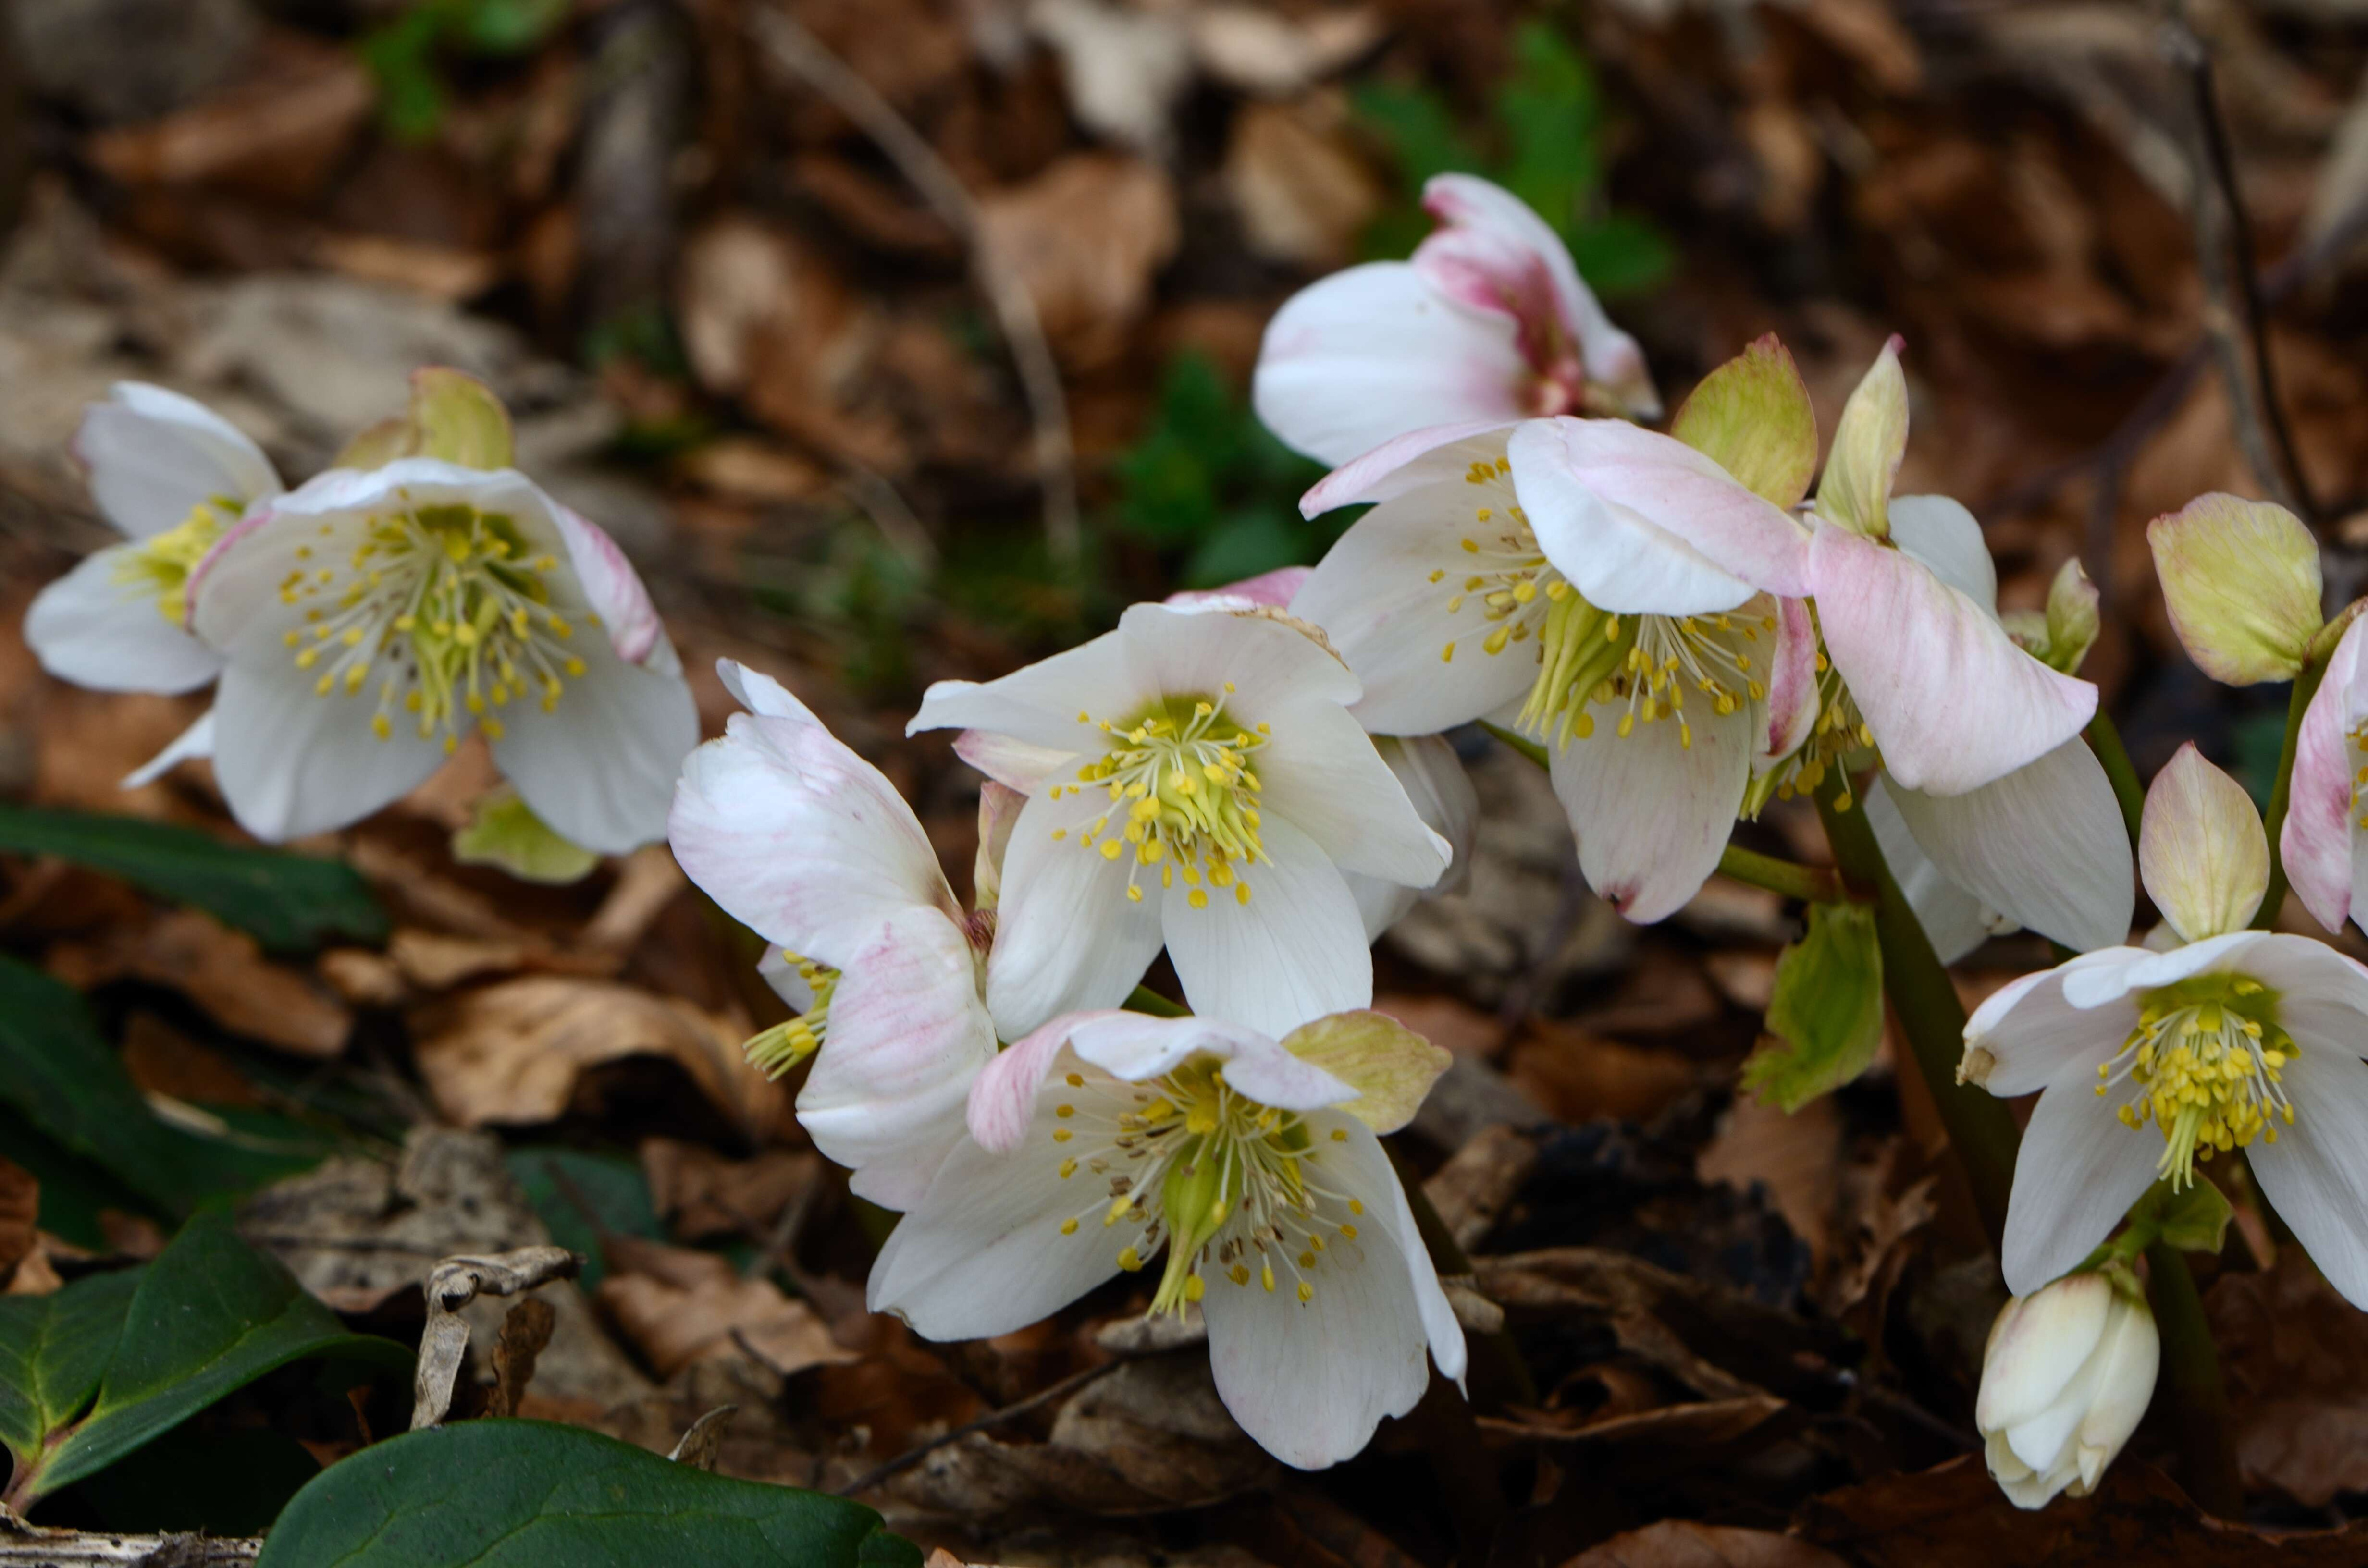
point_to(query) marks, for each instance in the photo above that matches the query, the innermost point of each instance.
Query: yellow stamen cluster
(782, 1047)
(1231, 1187)
(2359, 775)
(2207, 1061)
(1503, 575)
(444, 609)
(1838, 731)
(1649, 663)
(1182, 785)
(162, 563)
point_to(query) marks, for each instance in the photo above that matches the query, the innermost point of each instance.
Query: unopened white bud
(2068, 1372)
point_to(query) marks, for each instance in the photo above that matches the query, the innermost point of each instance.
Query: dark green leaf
(1254, 539)
(209, 1315)
(71, 1085)
(74, 1189)
(1551, 113)
(527, 1494)
(290, 902)
(53, 1350)
(1827, 1011)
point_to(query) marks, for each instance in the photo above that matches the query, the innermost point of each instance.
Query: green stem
(1811, 884)
(1520, 743)
(2106, 741)
(1145, 1000)
(2306, 687)
(1925, 1000)
(2191, 1368)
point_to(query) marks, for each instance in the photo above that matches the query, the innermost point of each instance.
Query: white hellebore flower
(1927, 675)
(1193, 776)
(2236, 1039)
(2043, 846)
(810, 846)
(1619, 590)
(2325, 840)
(1426, 765)
(172, 475)
(1104, 1137)
(371, 620)
(1490, 321)
(2068, 1373)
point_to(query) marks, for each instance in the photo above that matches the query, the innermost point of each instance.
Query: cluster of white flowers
(1258, 781)
(358, 627)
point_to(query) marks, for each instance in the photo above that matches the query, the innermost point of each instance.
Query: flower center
(1839, 730)
(2205, 1062)
(1587, 657)
(445, 609)
(1228, 1184)
(162, 563)
(1182, 783)
(776, 1050)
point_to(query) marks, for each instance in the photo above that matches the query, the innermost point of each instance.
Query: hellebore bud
(2068, 1372)
(2241, 581)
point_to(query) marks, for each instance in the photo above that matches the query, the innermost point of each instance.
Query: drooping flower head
(2151, 1063)
(2324, 843)
(1105, 1137)
(374, 617)
(810, 846)
(1620, 595)
(1928, 677)
(1193, 778)
(172, 475)
(1490, 321)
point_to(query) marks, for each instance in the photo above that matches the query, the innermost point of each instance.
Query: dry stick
(2188, 52)
(914, 1456)
(804, 56)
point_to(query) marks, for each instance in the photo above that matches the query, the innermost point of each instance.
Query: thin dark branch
(912, 1457)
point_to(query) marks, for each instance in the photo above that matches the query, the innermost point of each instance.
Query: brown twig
(2224, 254)
(802, 55)
(914, 1456)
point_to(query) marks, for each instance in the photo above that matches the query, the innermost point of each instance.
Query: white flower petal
(2316, 1174)
(1040, 703)
(2322, 994)
(1652, 813)
(760, 693)
(1320, 772)
(290, 763)
(1011, 762)
(1618, 558)
(799, 839)
(1954, 921)
(983, 1254)
(2036, 1346)
(1442, 796)
(1066, 935)
(156, 456)
(1137, 1046)
(1434, 454)
(1310, 1381)
(2044, 846)
(1294, 952)
(93, 628)
(1258, 664)
(2095, 985)
(2077, 1174)
(2032, 1035)
(907, 1034)
(1374, 351)
(600, 768)
(1946, 537)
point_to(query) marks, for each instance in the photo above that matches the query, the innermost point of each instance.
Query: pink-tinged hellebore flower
(2233, 1039)
(1426, 765)
(2066, 1375)
(1105, 1137)
(1193, 778)
(2325, 841)
(807, 845)
(1616, 593)
(371, 620)
(172, 476)
(1490, 321)
(1934, 682)
(2043, 847)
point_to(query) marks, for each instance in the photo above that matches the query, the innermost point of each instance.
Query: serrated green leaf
(70, 1084)
(531, 1494)
(1825, 1013)
(53, 1350)
(290, 902)
(208, 1317)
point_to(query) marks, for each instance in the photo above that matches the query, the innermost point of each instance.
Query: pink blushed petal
(2317, 841)
(1003, 1099)
(1374, 351)
(611, 586)
(1952, 703)
(1432, 455)
(1791, 683)
(1273, 589)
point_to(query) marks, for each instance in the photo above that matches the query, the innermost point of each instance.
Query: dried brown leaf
(1683, 1543)
(20, 1211)
(224, 972)
(1085, 238)
(677, 1306)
